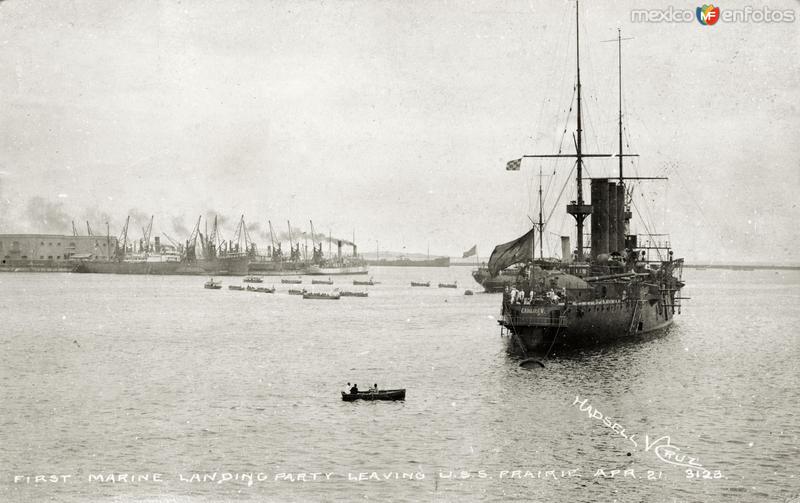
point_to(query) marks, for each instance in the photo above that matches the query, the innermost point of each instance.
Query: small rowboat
(468, 292)
(448, 285)
(264, 289)
(297, 292)
(213, 285)
(384, 394)
(419, 283)
(354, 294)
(291, 281)
(321, 295)
(235, 287)
(322, 281)
(253, 279)
(358, 282)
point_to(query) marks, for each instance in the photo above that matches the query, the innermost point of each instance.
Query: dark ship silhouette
(621, 290)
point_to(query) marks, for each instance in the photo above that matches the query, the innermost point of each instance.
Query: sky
(393, 121)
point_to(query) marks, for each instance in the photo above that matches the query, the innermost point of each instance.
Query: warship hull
(493, 284)
(315, 270)
(537, 329)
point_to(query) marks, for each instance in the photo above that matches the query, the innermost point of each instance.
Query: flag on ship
(513, 252)
(472, 251)
(513, 165)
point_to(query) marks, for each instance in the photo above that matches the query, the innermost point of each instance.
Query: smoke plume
(44, 216)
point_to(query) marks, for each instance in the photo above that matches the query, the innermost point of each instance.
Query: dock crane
(291, 241)
(272, 238)
(124, 238)
(191, 243)
(146, 231)
(171, 241)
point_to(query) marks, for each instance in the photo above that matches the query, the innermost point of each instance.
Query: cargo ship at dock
(147, 256)
(623, 287)
(205, 253)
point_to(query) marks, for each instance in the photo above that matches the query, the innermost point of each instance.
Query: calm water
(155, 375)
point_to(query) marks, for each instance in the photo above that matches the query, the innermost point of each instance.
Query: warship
(621, 289)
(498, 282)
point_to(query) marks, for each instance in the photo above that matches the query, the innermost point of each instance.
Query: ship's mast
(578, 143)
(625, 214)
(619, 49)
(577, 208)
(541, 224)
(579, 211)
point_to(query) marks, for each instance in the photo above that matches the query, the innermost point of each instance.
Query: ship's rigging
(578, 208)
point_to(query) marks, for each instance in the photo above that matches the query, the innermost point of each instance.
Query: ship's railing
(542, 321)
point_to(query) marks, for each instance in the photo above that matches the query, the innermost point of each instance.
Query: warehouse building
(27, 249)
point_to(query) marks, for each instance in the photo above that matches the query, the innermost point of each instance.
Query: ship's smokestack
(355, 250)
(599, 216)
(613, 224)
(620, 217)
(566, 251)
(157, 244)
(339, 249)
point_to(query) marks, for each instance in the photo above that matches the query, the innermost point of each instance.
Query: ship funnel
(613, 223)
(620, 217)
(566, 252)
(339, 249)
(599, 216)
(355, 250)
(157, 245)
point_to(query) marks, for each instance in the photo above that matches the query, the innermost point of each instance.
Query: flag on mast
(513, 165)
(472, 251)
(513, 252)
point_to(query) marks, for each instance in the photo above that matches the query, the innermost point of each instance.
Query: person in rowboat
(374, 389)
(354, 389)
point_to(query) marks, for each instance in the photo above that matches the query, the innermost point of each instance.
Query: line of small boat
(336, 294)
(454, 284)
(248, 288)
